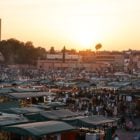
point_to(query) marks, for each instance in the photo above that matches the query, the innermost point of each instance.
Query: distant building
(55, 61)
(68, 57)
(132, 61)
(136, 60)
(114, 59)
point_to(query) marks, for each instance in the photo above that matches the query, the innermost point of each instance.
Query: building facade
(75, 61)
(112, 59)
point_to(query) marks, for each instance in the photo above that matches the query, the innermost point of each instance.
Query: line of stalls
(33, 123)
(23, 99)
(28, 118)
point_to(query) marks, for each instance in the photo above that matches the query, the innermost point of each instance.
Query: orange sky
(79, 24)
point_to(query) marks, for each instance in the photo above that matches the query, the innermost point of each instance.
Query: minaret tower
(64, 54)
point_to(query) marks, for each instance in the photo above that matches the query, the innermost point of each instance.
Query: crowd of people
(102, 103)
(9, 73)
(86, 100)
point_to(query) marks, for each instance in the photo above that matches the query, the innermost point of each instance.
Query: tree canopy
(17, 52)
(98, 46)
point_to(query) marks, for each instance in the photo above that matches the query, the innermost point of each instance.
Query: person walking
(116, 137)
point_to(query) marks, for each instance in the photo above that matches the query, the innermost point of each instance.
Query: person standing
(116, 137)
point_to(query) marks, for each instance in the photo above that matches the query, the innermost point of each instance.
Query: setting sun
(86, 32)
(85, 39)
(82, 30)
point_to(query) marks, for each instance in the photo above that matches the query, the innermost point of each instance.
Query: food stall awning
(5, 90)
(95, 120)
(24, 90)
(89, 121)
(10, 119)
(39, 128)
(28, 94)
(25, 110)
(58, 114)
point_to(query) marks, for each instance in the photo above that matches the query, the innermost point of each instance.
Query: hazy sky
(76, 24)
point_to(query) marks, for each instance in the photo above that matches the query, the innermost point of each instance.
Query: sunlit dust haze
(78, 24)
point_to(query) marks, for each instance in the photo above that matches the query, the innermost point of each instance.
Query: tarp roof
(10, 119)
(89, 121)
(41, 106)
(95, 120)
(83, 84)
(6, 105)
(39, 128)
(56, 104)
(118, 84)
(121, 74)
(58, 114)
(28, 94)
(24, 90)
(12, 90)
(46, 81)
(25, 110)
(5, 90)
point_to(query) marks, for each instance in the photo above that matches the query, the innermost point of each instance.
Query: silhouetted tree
(98, 46)
(16, 52)
(41, 52)
(52, 50)
(72, 51)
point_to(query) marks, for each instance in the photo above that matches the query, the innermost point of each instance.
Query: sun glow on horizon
(85, 31)
(78, 24)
